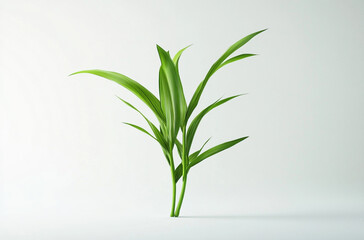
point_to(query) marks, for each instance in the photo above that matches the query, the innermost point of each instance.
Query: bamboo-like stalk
(171, 161)
(173, 112)
(173, 193)
(185, 162)
(179, 205)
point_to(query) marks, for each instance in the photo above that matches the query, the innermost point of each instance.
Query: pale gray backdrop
(71, 170)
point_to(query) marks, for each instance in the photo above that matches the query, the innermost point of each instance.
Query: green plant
(173, 113)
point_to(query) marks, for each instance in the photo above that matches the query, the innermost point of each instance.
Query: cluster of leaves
(173, 112)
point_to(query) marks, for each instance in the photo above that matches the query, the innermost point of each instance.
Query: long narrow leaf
(195, 154)
(146, 132)
(167, 107)
(140, 129)
(176, 59)
(141, 92)
(155, 130)
(179, 53)
(236, 58)
(214, 150)
(179, 170)
(196, 96)
(175, 87)
(196, 121)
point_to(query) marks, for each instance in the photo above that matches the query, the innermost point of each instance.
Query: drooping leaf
(196, 121)
(197, 94)
(141, 92)
(214, 150)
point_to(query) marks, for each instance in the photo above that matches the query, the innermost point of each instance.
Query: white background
(70, 170)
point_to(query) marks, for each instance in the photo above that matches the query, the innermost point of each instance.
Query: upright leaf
(177, 57)
(196, 96)
(167, 107)
(171, 81)
(196, 121)
(179, 53)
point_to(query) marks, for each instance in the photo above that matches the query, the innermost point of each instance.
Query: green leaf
(155, 130)
(178, 55)
(174, 84)
(167, 107)
(179, 148)
(178, 172)
(196, 96)
(214, 150)
(176, 62)
(195, 154)
(196, 121)
(140, 129)
(179, 169)
(236, 58)
(141, 92)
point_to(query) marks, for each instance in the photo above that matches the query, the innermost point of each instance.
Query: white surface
(69, 168)
(117, 226)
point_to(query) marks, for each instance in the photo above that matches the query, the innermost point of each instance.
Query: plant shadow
(288, 216)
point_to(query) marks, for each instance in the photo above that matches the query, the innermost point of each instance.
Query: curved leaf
(236, 58)
(178, 55)
(195, 154)
(214, 150)
(145, 131)
(196, 96)
(155, 130)
(179, 169)
(196, 121)
(141, 92)
(140, 129)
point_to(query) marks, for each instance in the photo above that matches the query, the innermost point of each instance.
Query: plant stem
(181, 196)
(185, 162)
(173, 184)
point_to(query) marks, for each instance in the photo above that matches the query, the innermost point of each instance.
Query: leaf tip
(73, 74)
